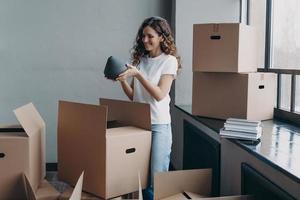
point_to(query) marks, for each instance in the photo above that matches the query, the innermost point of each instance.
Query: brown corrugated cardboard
(171, 185)
(180, 196)
(110, 157)
(184, 196)
(222, 95)
(47, 192)
(76, 195)
(86, 196)
(225, 47)
(135, 114)
(237, 197)
(22, 151)
(35, 127)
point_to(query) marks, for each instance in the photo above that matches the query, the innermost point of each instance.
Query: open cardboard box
(31, 195)
(187, 184)
(23, 159)
(22, 151)
(110, 157)
(86, 196)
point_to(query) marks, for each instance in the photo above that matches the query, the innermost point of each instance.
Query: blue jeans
(160, 153)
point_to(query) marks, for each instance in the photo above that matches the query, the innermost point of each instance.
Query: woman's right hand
(131, 71)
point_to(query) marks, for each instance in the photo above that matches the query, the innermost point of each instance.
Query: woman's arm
(158, 92)
(128, 89)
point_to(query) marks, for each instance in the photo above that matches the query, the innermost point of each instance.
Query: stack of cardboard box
(225, 78)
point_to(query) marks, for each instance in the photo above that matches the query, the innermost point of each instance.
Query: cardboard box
(184, 195)
(86, 196)
(47, 192)
(22, 151)
(110, 157)
(225, 47)
(180, 196)
(171, 185)
(222, 95)
(197, 181)
(44, 192)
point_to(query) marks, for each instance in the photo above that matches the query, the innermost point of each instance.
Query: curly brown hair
(161, 26)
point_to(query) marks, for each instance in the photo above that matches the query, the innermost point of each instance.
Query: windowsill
(279, 145)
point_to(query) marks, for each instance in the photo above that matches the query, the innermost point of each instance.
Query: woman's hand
(131, 71)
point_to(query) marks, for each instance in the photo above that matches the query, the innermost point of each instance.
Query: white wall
(57, 49)
(187, 13)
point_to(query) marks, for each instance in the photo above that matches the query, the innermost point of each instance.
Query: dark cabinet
(201, 151)
(254, 183)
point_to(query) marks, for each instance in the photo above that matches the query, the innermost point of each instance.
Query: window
(297, 101)
(282, 52)
(285, 52)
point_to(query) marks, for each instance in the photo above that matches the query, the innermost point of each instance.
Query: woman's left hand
(131, 71)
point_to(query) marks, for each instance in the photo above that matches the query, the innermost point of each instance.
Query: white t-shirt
(152, 69)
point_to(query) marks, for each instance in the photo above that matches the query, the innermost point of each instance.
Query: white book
(239, 134)
(248, 129)
(242, 122)
(239, 137)
(241, 125)
(254, 137)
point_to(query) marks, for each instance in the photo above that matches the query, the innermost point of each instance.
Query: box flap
(131, 113)
(170, 183)
(10, 126)
(27, 188)
(34, 127)
(178, 196)
(238, 197)
(46, 191)
(184, 196)
(81, 133)
(12, 131)
(140, 188)
(84, 196)
(76, 195)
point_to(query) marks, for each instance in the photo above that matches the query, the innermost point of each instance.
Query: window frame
(289, 116)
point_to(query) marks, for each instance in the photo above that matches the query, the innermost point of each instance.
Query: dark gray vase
(113, 68)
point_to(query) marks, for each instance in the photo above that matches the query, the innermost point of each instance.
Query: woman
(154, 67)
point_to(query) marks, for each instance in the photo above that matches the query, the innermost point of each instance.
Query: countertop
(279, 144)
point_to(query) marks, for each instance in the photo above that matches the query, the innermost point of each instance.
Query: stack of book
(241, 129)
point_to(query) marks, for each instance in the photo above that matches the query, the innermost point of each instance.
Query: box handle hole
(215, 37)
(2, 155)
(131, 150)
(261, 87)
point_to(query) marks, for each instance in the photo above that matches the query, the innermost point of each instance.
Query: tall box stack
(225, 78)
